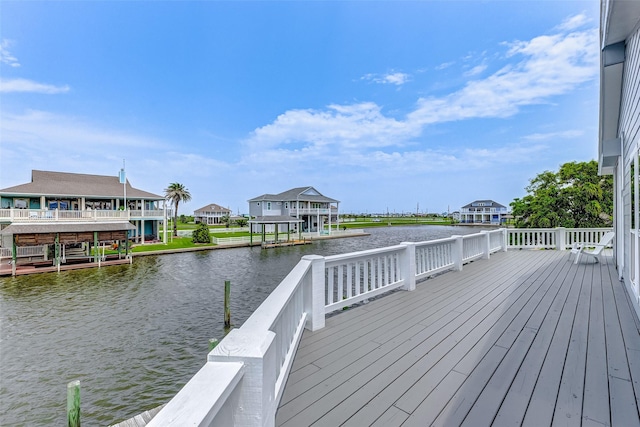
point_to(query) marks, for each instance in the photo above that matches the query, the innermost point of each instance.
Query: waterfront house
(303, 205)
(62, 208)
(619, 133)
(483, 212)
(210, 214)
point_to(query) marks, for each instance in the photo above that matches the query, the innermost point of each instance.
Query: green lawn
(175, 243)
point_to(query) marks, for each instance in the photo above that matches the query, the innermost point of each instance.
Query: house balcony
(35, 215)
(310, 211)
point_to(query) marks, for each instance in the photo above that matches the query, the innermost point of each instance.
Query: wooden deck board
(622, 399)
(543, 396)
(379, 374)
(629, 328)
(526, 338)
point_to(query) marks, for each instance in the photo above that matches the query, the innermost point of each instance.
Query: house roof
(213, 208)
(307, 194)
(66, 227)
(51, 184)
(487, 203)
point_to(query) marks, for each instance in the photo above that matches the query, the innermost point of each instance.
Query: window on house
(268, 206)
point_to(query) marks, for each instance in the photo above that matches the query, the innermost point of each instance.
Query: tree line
(574, 197)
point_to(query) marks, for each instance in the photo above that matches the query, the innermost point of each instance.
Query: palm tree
(176, 193)
(226, 220)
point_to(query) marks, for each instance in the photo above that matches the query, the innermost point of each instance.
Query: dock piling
(73, 404)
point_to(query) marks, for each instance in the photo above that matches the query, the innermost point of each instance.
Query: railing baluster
(340, 282)
(349, 280)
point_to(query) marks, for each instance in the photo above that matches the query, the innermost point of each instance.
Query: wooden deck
(526, 338)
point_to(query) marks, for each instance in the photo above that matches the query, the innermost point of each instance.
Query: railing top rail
(435, 242)
(365, 253)
(498, 231)
(472, 236)
(553, 230)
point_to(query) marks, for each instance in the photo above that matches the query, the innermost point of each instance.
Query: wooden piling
(227, 311)
(73, 404)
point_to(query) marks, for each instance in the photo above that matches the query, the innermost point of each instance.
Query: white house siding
(629, 130)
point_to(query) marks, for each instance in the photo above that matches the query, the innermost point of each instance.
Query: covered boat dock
(67, 245)
(276, 221)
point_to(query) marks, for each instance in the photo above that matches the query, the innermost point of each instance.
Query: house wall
(629, 130)
(266, 208)
(255, 209)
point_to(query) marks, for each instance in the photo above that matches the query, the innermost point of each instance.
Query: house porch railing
(244, 376)
(55, 215)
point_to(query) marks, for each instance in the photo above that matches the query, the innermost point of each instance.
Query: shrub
(201, 234)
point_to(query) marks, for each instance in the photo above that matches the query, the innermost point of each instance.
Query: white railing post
(314, 299)
(458, 252)
(505, 239)
(408, 266)
(486, 250)
(561, 238)
(256, 406)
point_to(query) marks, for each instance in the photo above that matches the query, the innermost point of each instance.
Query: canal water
(134, 334)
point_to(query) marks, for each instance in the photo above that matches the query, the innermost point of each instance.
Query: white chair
(592, 249)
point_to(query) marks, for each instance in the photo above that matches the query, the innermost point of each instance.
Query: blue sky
(382, 105)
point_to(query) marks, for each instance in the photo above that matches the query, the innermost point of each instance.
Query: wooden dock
(47, 267)
(268, 245)
(527, 338)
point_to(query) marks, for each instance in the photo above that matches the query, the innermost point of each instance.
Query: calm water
(134, 334)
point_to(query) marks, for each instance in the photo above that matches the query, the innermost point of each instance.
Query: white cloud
(554, 135)
(551, 65)
(573, 22)
(478, 69)
(5, 56)
(444, 65)
(358, 125)
(24, 85)
(397, 79)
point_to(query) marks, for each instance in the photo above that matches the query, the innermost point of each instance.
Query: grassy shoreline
(185, 243)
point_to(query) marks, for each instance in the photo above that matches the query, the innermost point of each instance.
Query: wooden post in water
(227, 311)
(73, 404)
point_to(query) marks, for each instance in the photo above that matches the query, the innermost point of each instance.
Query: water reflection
(134, 334)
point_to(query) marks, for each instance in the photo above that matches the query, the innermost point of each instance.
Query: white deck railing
(260, 353)
(23, 251)
(243, 379)
(42, 215)
(552, 238)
